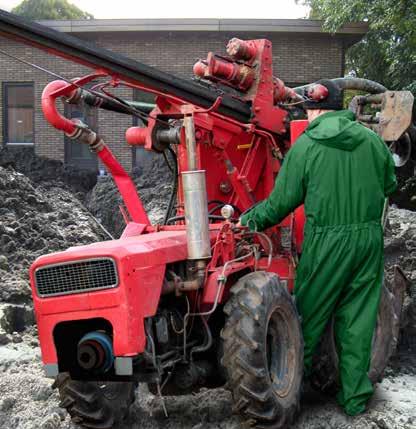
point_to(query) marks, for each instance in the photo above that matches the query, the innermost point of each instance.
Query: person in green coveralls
(342, 172)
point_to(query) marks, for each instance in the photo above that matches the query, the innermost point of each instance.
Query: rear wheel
(95, 405)
(263, 350)
(325, 374)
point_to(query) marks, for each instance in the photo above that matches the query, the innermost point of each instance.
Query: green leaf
(50, 9)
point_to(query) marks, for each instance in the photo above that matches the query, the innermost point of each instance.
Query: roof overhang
(352, 32)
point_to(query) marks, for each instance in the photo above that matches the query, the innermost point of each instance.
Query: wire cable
(175, 185)
(107, 96)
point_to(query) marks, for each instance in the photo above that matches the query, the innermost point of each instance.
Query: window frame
(135, 123)
(5, 85)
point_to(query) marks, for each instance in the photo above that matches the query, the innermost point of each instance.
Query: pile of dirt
(154, 182)
(400, 249)
(47, 172)
(35, 220)
(405, 196)
(400, 241)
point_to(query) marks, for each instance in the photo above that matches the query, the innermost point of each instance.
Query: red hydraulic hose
(123, 181)
(51, 112)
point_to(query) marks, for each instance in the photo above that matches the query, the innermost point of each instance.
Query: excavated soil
(154, 182)
(44, 212)
(35, 220)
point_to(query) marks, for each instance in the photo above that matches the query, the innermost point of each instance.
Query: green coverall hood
(341, 171)
(327, 129)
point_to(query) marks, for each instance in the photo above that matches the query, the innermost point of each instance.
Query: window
(18, 99)
(147, 101)
(76, 153)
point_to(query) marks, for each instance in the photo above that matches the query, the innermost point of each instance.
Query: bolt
(225, 187)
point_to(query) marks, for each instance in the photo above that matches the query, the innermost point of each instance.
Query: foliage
(349, 94)
(387, 53)
(50, 9)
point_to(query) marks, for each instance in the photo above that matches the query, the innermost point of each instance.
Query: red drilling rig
(196, 301)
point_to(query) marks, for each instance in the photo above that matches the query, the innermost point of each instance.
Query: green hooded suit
(342, 172)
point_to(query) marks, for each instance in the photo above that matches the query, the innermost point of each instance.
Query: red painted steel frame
(141, 262)
(296, 129)
(241, 162)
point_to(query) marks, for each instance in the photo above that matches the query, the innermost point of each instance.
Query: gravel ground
(27, 401)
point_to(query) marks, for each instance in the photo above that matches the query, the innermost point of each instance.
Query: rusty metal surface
(395, 115)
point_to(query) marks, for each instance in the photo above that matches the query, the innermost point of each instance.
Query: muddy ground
(40, 213)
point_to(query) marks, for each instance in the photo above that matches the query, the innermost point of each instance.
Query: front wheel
(263, 350)
(95, 405)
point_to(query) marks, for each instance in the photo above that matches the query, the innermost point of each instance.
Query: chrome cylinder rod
(188, 123)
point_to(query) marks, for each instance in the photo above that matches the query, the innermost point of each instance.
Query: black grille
(76, 277)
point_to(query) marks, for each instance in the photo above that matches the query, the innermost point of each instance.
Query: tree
(387, 53)
(50, 9)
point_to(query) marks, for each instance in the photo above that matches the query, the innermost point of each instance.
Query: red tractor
(196, 301)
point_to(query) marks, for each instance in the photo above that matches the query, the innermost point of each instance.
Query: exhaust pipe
(195, 198)
(95, 352)
(196, 214)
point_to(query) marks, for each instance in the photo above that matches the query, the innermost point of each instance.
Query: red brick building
(302, 53)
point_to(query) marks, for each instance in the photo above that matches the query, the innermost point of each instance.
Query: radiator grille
(76, 277)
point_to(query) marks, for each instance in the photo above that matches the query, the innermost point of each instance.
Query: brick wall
(298, 58)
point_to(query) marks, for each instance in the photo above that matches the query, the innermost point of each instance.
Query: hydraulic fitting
(317, 92)
(240, 76)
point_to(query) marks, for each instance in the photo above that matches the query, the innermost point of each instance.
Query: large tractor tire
(95, 405)
(325, 374)
(263, 351)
